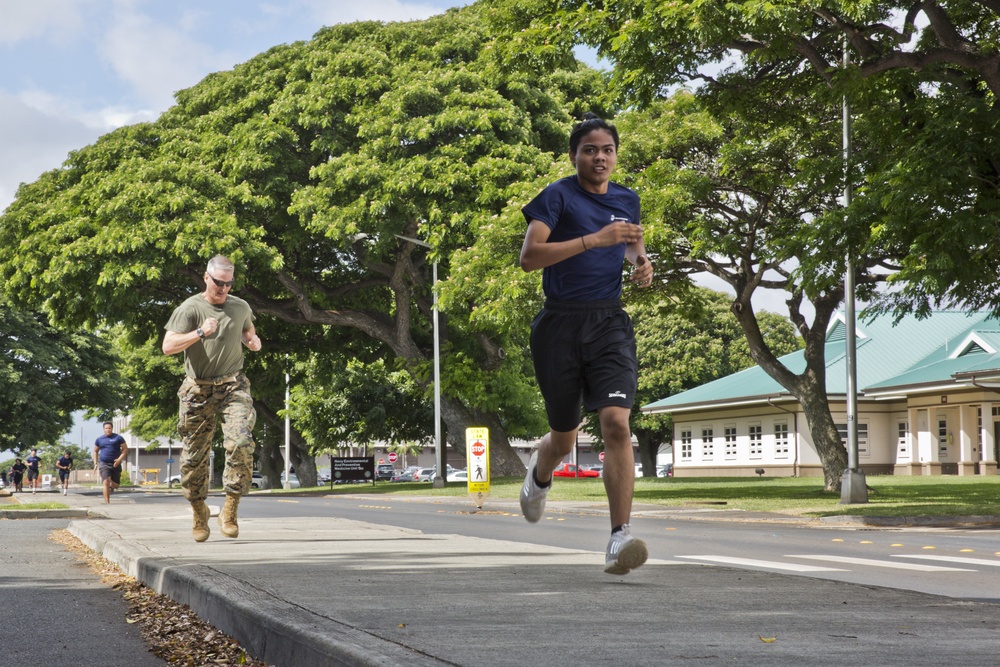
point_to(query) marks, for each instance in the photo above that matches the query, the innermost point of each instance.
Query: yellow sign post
(477, 453)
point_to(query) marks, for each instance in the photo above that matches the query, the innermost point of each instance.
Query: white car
(458, 476)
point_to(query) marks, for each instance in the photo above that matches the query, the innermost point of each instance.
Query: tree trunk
(648, 448)
(809, 387)
(302, 461)
(826, 439)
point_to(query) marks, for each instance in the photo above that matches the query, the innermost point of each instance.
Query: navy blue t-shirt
(572, 212)
(110, 447)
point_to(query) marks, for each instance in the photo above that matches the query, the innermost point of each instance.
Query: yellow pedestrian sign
(477, 446)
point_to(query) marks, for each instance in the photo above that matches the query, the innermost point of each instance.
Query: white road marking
(952, 559)
(765, 564)
(881, 563)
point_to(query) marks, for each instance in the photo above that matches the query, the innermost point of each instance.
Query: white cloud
(34, 142)
(157, 59)
(329, 13)
(49, 19)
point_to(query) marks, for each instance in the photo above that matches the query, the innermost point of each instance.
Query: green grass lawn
(802, 496)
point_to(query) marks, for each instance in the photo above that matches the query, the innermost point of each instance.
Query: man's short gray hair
(220, 263)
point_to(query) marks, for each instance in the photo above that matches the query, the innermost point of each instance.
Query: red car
(571, 469)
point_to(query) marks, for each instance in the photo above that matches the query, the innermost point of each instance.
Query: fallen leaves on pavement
(171, 630)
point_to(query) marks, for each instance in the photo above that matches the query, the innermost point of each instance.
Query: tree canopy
(47, 374)
(305, 165)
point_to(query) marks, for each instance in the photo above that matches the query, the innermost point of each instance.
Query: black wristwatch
(200, 332)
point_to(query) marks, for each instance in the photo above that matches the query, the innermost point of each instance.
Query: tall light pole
(853, 486)
(287, 484)
(442, 472)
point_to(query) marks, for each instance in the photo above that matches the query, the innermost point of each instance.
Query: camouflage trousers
(202, 406)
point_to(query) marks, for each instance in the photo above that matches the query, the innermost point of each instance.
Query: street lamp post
(441, 474)
(853, 486)
(287, 484)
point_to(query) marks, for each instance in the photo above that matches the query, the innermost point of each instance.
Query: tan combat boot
(200, 532)
(227, 517)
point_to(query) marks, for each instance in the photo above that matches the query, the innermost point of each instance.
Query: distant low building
(929, 404)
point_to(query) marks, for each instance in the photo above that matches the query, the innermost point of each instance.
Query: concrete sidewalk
(302, 592)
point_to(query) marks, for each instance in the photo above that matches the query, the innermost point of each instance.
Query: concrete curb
(273, 629)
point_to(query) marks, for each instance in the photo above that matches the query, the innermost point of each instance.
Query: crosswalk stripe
(952, 559)
(766, 564)
(881, 563)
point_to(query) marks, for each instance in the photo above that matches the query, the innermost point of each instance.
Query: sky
(73, 70)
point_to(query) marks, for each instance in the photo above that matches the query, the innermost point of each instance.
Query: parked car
(174, 479)
(458, 476)
(384, 471)
(665, 470)
(599, 469)
(424, 475)
(571, 469)
(257, 481)
(405, 475)
(293, 479)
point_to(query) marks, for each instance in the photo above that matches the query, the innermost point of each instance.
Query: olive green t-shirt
(221, 353)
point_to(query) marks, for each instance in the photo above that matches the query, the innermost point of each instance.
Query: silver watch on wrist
(200, 332)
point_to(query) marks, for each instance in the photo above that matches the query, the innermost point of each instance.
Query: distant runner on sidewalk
(110, 450)
(65, 464)
(33, 462)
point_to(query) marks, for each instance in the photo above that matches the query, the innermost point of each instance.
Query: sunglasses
(220, 283)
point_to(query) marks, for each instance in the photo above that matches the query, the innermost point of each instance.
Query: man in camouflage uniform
(211, 329)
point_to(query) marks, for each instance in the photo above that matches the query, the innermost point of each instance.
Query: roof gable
(886, 353)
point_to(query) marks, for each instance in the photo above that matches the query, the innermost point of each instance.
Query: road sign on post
(477, 445)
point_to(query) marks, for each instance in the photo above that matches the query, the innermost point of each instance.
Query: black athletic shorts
(583, 350)
(110, 470)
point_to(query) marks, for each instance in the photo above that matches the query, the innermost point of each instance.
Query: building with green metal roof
(929, 403)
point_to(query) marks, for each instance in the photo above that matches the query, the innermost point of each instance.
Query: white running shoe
(532, 495)
(625, 553)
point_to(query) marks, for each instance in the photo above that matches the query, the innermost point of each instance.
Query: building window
(781, 440)
(862, 437)
(943, 436)
(902, 440)
(686, 444)
(707, 444)
(979, 431)
(729, 441)
(756, 432)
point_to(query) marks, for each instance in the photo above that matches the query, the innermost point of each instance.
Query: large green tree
(305, 165)
(47, 374)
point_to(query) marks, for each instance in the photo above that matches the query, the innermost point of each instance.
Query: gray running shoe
(625, 553)
(532, 495)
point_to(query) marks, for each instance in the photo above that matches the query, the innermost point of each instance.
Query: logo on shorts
(617, 394)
